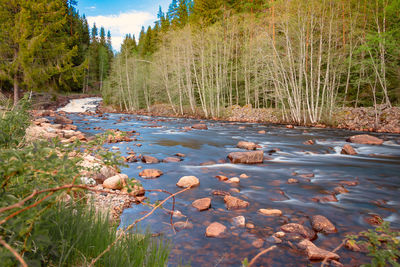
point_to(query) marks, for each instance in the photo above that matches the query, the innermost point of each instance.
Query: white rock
(115, 182)
(239, 221)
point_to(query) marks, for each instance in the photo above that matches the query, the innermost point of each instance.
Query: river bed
(375, 173)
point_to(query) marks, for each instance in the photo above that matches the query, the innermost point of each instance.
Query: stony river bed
(369, 186)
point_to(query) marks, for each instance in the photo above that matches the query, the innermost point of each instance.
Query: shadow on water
(371, 181)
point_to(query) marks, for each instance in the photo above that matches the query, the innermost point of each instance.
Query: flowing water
(376, 171)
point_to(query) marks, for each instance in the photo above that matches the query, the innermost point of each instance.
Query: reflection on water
(370, 178)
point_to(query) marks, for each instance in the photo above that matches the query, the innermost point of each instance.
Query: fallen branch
(260, 254)
(324, 262)
(133, 225)
(14, 252)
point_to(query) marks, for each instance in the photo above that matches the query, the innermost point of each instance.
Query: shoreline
(352, 119)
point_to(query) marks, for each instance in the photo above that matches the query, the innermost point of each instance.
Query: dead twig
(14, 252)
(324, 262)
(133, 225)
(260, 254)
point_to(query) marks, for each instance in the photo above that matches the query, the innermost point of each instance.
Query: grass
(78, 234)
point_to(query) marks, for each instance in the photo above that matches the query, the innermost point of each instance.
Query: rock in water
(115, 182)
(299, 229)
(247, 145)
(200, 126)
(270, 212)
(62, 120)
(187, 181)
(215, 229)
(348, 150)
(253, 157)
(316, 253)
(149, 159)
(321, 224)
(150, 173)
(235, 203)
(202, 204)
(365, 139)
(239, 221)
(172, 159)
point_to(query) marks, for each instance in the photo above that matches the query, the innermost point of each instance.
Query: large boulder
(150, 173)
(365, 139)
(188, 181)
(252, 157)
(232, 203)
(200, 126)
(247, 145)
(348, 150)
(149, 159)
(215, 229)
(321, 224)
(202, 204)
(116, 182)
(316, 253)
(296, 228)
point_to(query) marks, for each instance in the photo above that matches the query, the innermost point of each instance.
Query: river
(374, 173)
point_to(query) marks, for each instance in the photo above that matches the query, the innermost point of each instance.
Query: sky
(121, 16)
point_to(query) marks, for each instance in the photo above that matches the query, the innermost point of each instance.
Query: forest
(303, 58)
(47, 46)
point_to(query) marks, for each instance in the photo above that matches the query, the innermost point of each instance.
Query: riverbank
(357, 119)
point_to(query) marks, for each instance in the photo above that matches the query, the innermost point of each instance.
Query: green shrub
(383, 245)
(13, 123)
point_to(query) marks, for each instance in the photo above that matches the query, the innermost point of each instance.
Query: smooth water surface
(375, 168)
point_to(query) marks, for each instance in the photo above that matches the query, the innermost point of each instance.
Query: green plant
(13, 123)
(383, 245)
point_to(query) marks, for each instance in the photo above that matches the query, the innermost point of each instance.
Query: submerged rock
(202, 204)
(235, 203)
(270, 212)
(239, 221)
(321, 224)
(172, 159)
(215, 229)
(187, 181)
(299, 229)
(365, 139)
(253, 157)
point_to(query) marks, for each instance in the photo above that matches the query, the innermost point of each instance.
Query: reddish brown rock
(150, 173)
(373, 219)
(258, 243)
(316, 253)
(321, 224)
(309, 142)
(292, 181)
(289, 126)
(235, 203)
(131, 158)
(247, 145)
(299, 229)
(180, 155)
(349, 183)
(348, 150)
(62, 120)
(221, 177)
(253, 157)
(172, 159)
(340, 190)
(210, 162)
(202, 204)
(365, 139)
(149, 159)
(188, 181)
(220, 193)
(307, 175)
(270, 212)
(261, 132)
(215, 229)
(200, 126)
(322, 199)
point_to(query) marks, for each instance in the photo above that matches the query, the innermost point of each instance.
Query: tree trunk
(16, 90)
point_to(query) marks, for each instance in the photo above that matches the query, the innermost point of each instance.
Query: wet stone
(235, 203)
(348, 150)
(321, 224)
(202, 204)
(299, 229)
(215, 229)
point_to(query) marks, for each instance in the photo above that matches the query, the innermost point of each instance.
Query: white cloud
(122, 24)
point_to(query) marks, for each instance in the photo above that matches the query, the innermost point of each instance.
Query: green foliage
(13, 123)
(382, 243)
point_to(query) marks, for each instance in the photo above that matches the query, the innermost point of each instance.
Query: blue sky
(121, 16)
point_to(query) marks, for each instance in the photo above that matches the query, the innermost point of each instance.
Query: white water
(81, 105)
